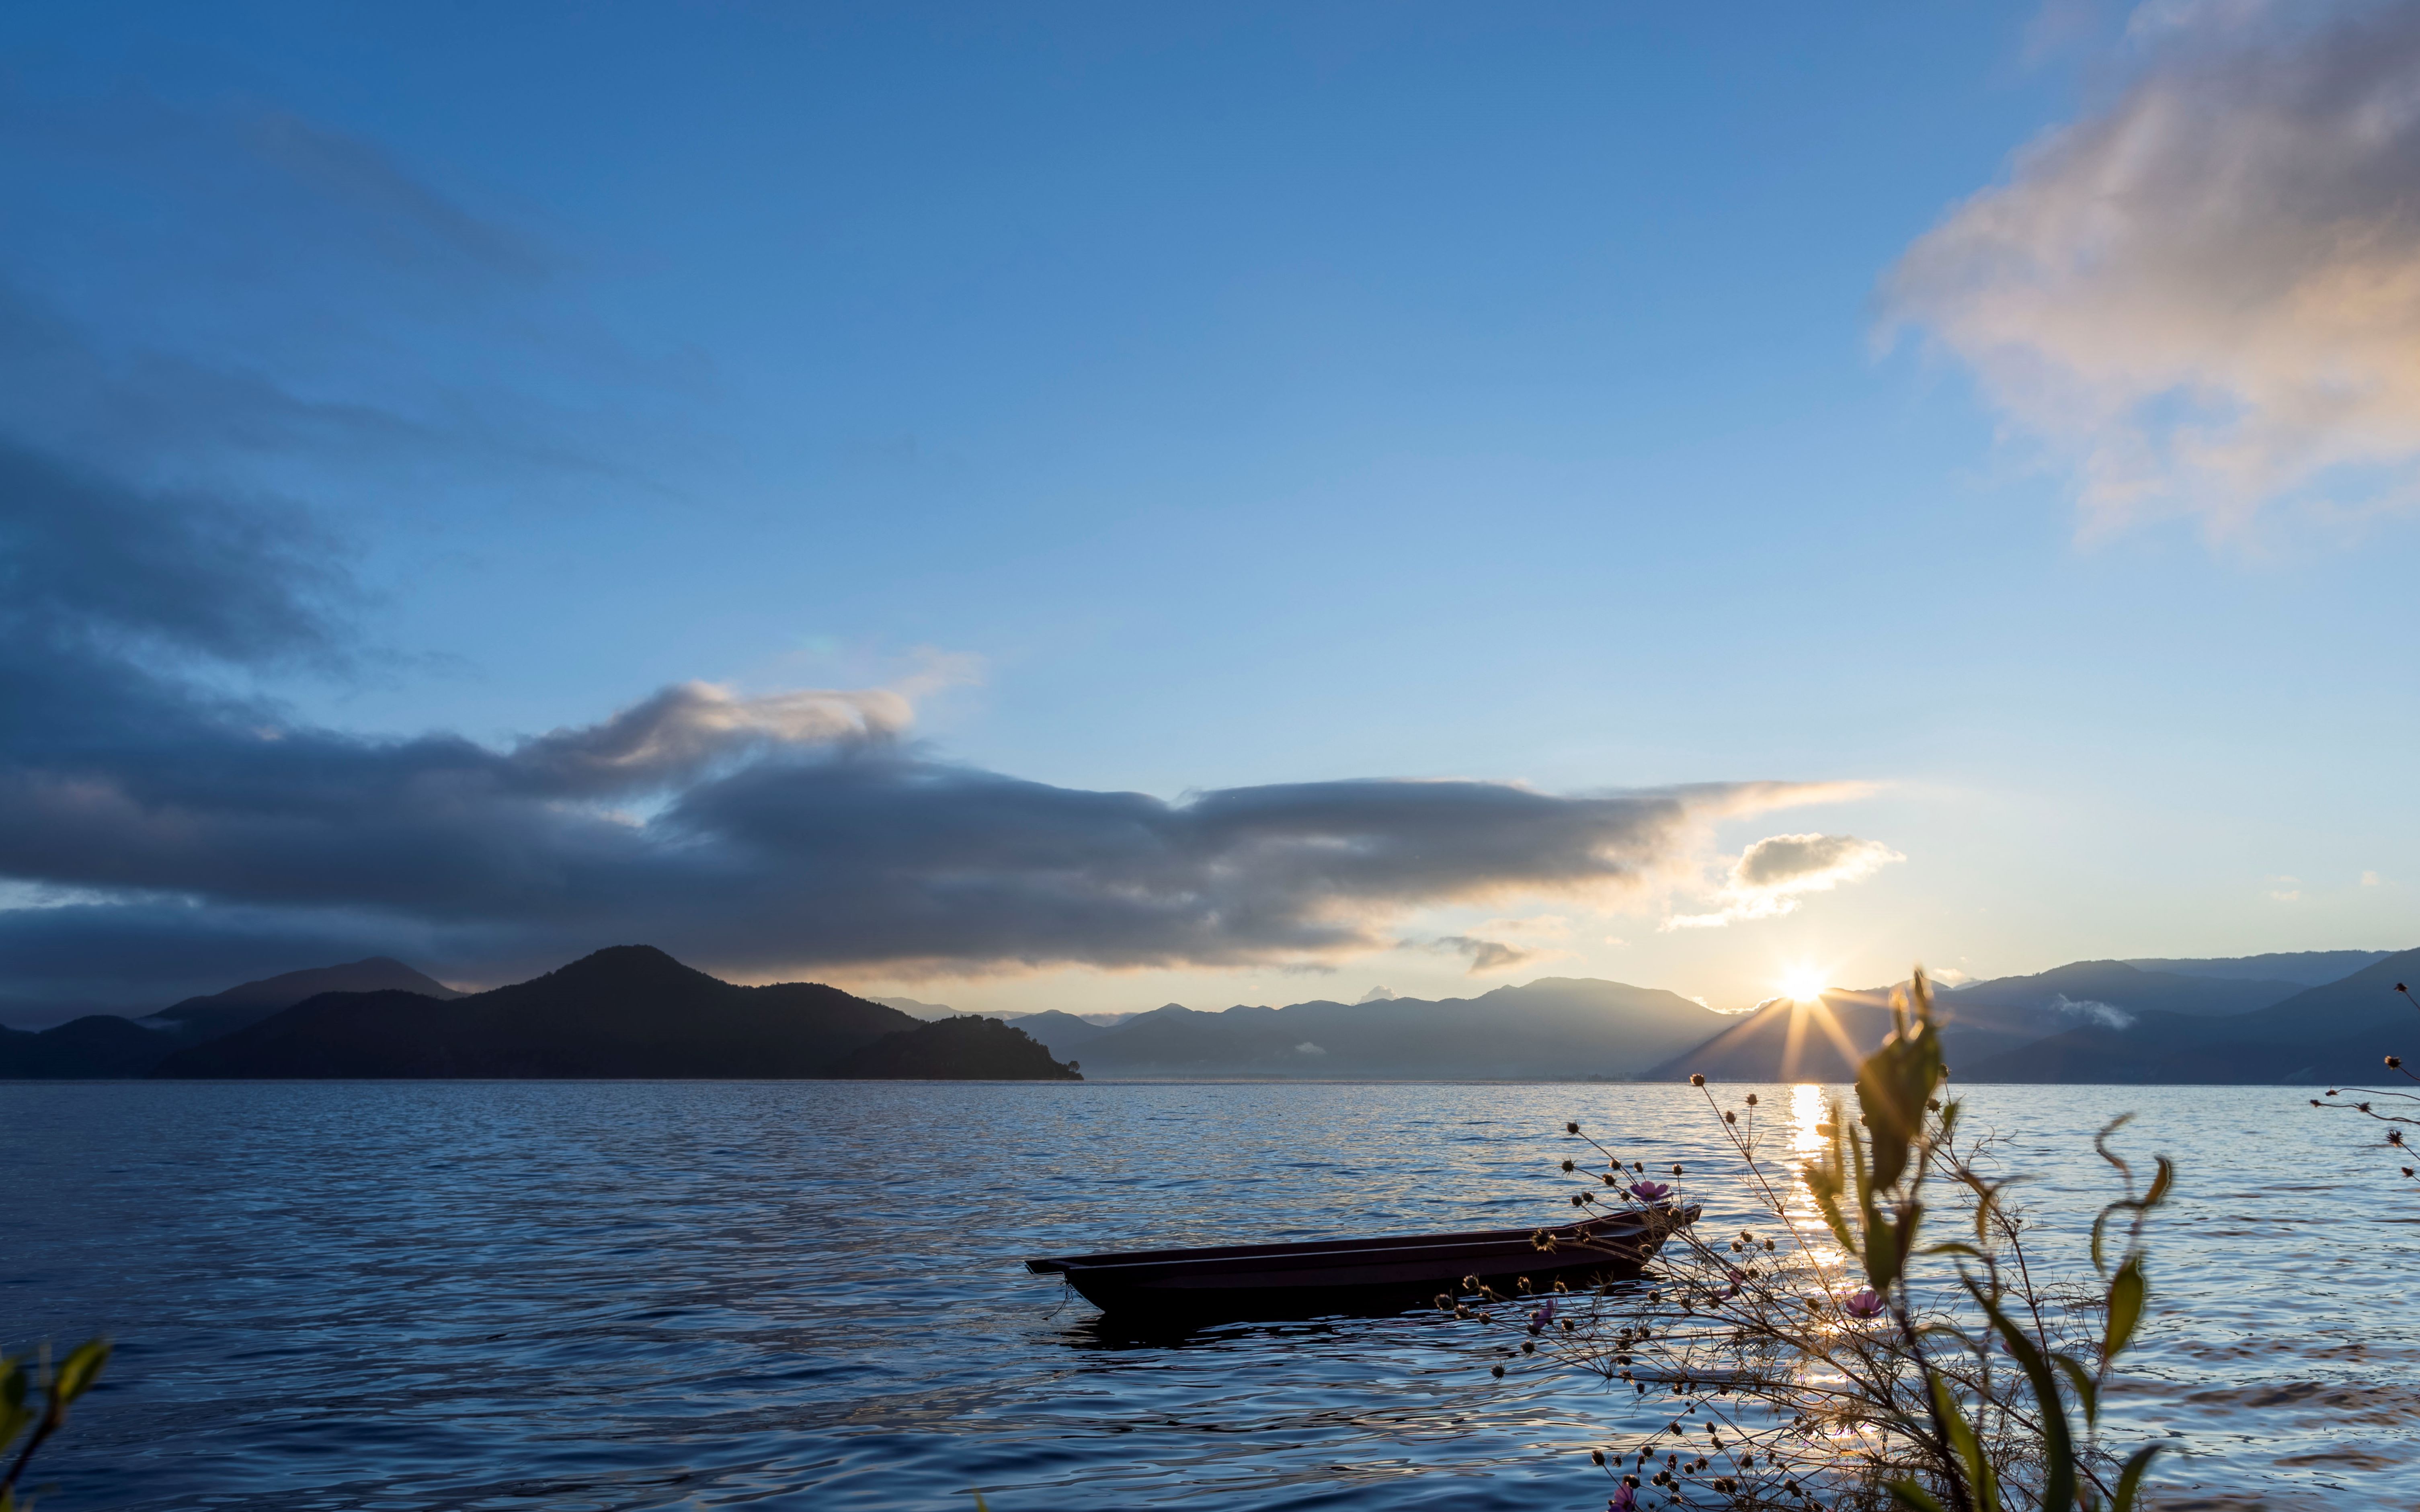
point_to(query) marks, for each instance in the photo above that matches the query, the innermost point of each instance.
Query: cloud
(1483, 955)
(788, 831)
(2205, 298)
(158, 577)
(1377, 994)
(1772, 875)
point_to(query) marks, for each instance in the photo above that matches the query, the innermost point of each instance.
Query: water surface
(626, 1295)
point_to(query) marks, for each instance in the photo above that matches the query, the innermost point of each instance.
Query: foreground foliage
(21, 1376)
(1838, 1359)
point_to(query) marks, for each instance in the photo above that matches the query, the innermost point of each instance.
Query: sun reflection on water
(1805, 1112)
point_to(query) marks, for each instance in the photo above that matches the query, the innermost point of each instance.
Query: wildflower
(1544, 1315)
(1650, 1191)
(1866, 1303)
(1624, 1499)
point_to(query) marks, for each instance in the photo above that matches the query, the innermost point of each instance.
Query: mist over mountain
(105, 1045)
(2336, 1033)
(2097, 1020)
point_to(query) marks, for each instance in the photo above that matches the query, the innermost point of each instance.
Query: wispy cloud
(2205, 298)
(1772, 876)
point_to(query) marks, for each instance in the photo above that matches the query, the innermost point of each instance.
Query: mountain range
(2168, 1020)
(634, 1012)
(628, 1012)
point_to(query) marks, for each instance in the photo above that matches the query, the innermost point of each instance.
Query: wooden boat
(1244, 1281)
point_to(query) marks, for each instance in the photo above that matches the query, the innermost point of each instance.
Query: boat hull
(1303, 1280)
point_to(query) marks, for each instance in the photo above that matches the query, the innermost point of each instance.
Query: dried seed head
(1697, 1080)
(1729, 1116)
(1571, 1128)
(1571, 1166)
(1751, 1099)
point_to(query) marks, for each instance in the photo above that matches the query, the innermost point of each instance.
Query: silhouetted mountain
(959, 1049)
(2309, 968)
(926, 1012)
(1062, 1033)
(98, 1045)
(2075, 991)
(1557, 1027)
(105, 1044)
(2336, 1033)
(628, 1012)
(205, 1018)
(1980, 1023)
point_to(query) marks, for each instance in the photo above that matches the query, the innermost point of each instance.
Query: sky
(1088, 506)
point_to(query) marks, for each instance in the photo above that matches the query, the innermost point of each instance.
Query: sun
(1803, 985)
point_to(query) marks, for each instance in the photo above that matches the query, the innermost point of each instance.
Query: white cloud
(2205, 298)
(1772, 876)
(2370, 879)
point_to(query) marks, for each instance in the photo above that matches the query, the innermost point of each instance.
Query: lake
(623, 1295)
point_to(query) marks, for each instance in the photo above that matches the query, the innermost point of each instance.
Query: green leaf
(13, 1421)
(1895, 1081)
(2128, 1290)
(1983, 1486)
(79, 1370)
(2059, 1444)
(1907, 1494)
(2081, 1379)
(2129, 1480)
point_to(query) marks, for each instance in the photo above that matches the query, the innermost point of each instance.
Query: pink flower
(1866, 1303)
(1650, 1191)
(1543, 1315)
(1622, 1501)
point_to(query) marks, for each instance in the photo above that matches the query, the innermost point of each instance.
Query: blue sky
(1170, 400)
